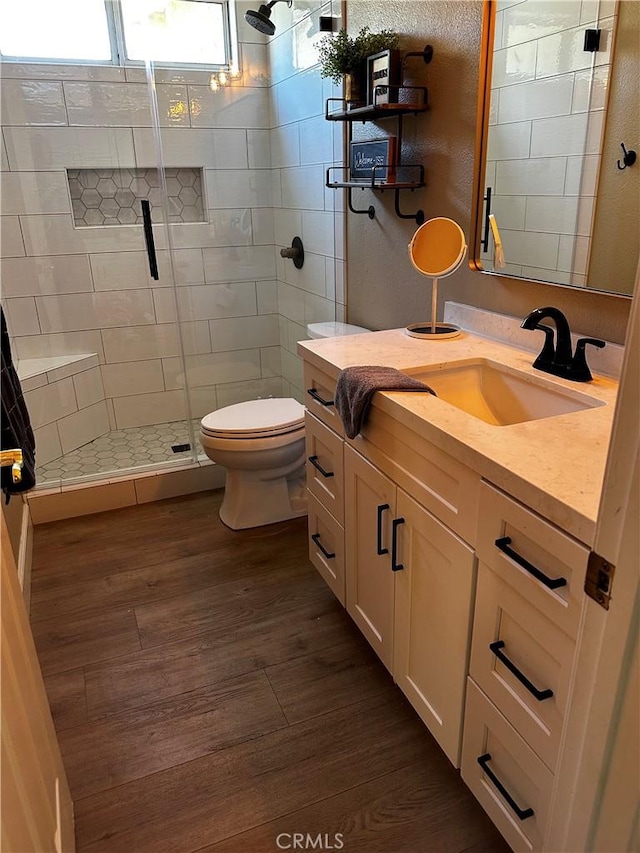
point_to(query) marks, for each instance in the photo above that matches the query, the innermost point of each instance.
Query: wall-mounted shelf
(374, 112)
(389, 101)
(408, 177)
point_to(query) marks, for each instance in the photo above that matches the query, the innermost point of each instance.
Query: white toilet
(261, 444)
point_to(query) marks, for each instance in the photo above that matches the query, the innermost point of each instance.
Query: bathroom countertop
(554, 465)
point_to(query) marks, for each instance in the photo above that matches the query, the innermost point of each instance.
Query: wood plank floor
(210, 693)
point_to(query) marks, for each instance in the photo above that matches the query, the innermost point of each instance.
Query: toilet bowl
(261, 444)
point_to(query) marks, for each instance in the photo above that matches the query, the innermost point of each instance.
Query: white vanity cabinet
(474, 601)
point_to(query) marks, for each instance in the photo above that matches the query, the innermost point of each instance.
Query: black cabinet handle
(523, 814)
(316, 539)
(313, 393)
(551, 583)
(316, 464)
(148, 238)
(395, 524)
(379, 547)
(540, 695)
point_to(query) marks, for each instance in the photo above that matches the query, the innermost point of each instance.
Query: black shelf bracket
(426, 54)
(370, 211)
(418, 215)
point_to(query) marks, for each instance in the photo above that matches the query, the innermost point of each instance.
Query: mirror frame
(482, 134)
(480, 162)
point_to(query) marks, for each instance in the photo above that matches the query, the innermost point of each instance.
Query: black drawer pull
(313, 393)
(395, 524)
(523, 814)
(316, 464)
(540, 695)
(550, 583)
(379, 548)
(316, 539)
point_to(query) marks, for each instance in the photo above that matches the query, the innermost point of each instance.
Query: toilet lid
(256, 418)
(334, 330)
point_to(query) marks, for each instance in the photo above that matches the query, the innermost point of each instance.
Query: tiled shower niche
(112, 196)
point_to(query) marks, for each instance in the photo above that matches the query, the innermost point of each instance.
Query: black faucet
(558, 359)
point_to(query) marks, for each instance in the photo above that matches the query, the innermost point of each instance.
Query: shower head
(261, 20)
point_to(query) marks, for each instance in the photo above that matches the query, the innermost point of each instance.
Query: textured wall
(383, 289)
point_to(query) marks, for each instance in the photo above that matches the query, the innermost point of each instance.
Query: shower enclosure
(127, 333)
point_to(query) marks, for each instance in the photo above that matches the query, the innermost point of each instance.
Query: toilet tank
(333, 330)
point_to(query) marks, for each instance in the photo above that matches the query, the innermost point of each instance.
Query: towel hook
(628, 158)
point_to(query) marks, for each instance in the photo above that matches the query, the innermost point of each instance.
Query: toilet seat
(255, 419)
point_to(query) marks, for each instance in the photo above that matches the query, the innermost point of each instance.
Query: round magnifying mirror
(437, 249)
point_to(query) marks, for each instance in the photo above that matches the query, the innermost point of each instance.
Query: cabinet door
(37, 812)
(433, 611)
(369, 510)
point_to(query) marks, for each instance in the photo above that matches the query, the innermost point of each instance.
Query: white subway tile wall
(71, 285)
(546, 123)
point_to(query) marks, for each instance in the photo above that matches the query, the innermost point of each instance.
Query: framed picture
(373, 161)
(383, 71)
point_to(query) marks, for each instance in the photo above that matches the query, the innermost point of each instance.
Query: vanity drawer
(319, 397)
(510, 782)
(325, 466)
(542, 563)
(523, 662)
(326, 547)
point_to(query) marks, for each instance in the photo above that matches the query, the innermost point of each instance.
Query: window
(185, 32)
(66, 29)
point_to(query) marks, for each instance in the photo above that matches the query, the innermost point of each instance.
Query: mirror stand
(437, 249)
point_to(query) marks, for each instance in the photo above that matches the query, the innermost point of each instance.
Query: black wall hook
(628, 158)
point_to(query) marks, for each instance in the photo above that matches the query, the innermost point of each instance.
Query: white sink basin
(500, 395)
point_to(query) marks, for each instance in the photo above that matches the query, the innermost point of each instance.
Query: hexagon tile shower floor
(120, 450)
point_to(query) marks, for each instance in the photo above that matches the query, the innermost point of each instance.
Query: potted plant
(344, 57)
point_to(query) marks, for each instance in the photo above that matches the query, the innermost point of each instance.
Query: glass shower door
(91, 329)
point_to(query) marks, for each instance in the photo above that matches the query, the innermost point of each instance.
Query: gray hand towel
(357, 385)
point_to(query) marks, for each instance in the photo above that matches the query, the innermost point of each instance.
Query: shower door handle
(148, 238)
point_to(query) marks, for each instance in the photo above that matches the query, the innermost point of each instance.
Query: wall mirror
(552, 117)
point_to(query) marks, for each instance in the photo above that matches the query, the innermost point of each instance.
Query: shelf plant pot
(355, 88)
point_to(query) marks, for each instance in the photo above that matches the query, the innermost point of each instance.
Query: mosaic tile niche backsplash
(112, 196)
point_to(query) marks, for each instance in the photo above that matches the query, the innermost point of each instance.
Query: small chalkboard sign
(374, 161)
